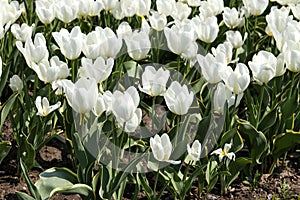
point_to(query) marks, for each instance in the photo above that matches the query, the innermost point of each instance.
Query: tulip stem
(262, 93)
(156, 179)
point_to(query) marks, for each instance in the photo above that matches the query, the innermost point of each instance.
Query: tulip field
(165, 99)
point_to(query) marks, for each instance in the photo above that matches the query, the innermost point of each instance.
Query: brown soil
(284, 183)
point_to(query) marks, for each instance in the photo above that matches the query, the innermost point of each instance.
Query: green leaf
(24, 196)
(54, 178)
(255, 140)
(5, 147)
(80, 151)
(290, 106)
(31, 187)
(284, 142)
(268, 120)
(236, 167)
(3, 79)
(234, 137)
(81, 189)
(142, 180)
(6, 108)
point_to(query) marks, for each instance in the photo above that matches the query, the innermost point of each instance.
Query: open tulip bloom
(224, 152)
(178, 98)
(194, 151)
(43, 106)
(154, 82)
(162, 148)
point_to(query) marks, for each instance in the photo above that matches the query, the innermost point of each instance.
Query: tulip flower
(45, 11)
(256, 7)
(211, 66)
(162, 148)
(181, 40)
(277, 21)
(15, 83)
(22, 32)
(222, 95)
(34, 51)
(263, 66)
(110, 44)
(117, 11)
(296, 10)
(51, 71)
(181, 11)
(291, 55)
(70, 43)
(194, 3)
(165, 6)
(128, 8)
(211, 8)
(232, 18)
(235, 38)
(178, 98)
(143, 7)
(280, 67)
(98, 69)
(66, 11)
(124, 30)
(207, 30)
(224, 152)
(138, 45)
(287, 2)
(99, 107)
(109, 5)
(226, 48)
(157, 21)
(91, 45)
(10, 11)
(154, 82)
(44, 107)
(124, 107)
(238, 80)
(194, 151)
(89, 8)
(82, 96)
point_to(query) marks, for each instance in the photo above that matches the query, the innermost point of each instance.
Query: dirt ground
(284, 183)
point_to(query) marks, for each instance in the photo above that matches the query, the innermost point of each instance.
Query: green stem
(156, 180)
(262, 93)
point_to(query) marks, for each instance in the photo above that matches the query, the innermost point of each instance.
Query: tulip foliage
(193, 92)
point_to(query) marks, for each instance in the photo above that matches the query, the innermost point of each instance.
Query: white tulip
(235, 38)
(143, 7)
(181, 40)
(124, 107)
(207, 30)
(263, 66)
(66, 11)
(70, 43)
(211, 8)
(280, 67)
(98, 69)
(109, 4)
(34, 51)
(15, 83)
(99, 107)
(165, 6)
(162, 148)
(82, 96)
(45, 11)
(211, 66)
(287, 2)
(110, 44)
(157, 21)
(43, 106)
(296, 10)
(232, 18)
(154, 81)
(194, 151)
(22, 32)
(291, 51)
(222, 95)
(178, 98)
(238, 80)
(224, 152)
(124, 30)
(138, 45)
(89, 8)
(194, 3)
(256, 7)
(51, 71)
(129, 9)
(181, 11)
(226, 48)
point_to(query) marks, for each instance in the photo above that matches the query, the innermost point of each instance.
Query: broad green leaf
(236, 167)
(142, 180)
(255, 140)
(6, 108)
(290, 106)
(284, 142)
(5, 147)
(81, 189)
(268, 120)
(54, 178)
(79, 151)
